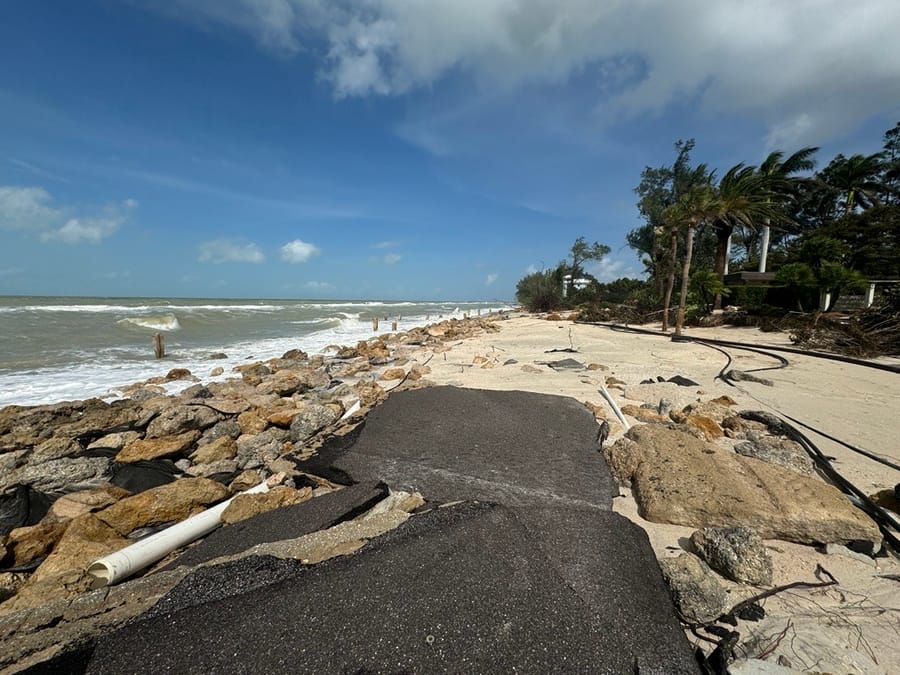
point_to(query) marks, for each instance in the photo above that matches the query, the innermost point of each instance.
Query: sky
(394, 149)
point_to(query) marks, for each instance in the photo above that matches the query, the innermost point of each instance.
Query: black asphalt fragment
(459, 589)
(509, 447)
(533, 573)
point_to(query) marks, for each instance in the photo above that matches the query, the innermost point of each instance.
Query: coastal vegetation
(779, 243)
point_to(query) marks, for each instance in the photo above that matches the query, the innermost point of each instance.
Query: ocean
(63, 348)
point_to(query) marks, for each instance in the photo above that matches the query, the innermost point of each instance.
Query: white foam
(167, 322)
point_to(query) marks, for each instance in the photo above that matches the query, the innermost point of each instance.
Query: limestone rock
(74, 504)
(156, 448)
(255, 450)
(179, 374)
(25, 544)
(682, 480)
(282, 418)
(221, 466)
(85, 539)
(597, 366)
(54, 448)
(221, 448)
(369, 393)
(706, 425)
(229, 428)
(163, 504)
(644, 414)
(393, 374)
(310, 420)
(781, 451)
(694, 588)
(251, 422)
(712, 409)
(245, 480)
(182, 418)
(289, 382)
(215, 372)
(115, 441)
(253, 373)
(736, 553)
(58, 475)
(248, 505)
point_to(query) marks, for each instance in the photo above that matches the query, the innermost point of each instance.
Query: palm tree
(782, 182)
(685, 181)
(695, 206)
(745, 197)
(857, 180)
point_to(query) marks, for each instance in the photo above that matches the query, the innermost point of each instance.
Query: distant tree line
(826, 231)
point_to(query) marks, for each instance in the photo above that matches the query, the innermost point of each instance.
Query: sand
(851, 627)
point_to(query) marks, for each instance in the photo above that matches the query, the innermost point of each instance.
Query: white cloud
(27, 208)
(10, 271)
(491, 278)
(298, 251)
(387, 259)
(219, 251)
(386, 244)
(770, 60)
(92, 230)
(32, 209)
(610, 269)
(531, 269)
(317, 285)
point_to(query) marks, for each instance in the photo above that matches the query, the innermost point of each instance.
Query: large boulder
(221, 448)
(310, 420)
(680, 479)
(74, 504)
(695, 589)
(182, 418)
(734, 552)
(85, 539)
(157, 448)
(294, 381)
(25, 544)
(58, 475)
(163, 504)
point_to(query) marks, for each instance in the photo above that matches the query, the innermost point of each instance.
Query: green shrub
(541, 291)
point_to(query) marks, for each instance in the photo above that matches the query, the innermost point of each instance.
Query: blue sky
(393, 149)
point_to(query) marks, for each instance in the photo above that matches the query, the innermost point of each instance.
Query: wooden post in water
(394, 326)
(159, 345)
(375, 324)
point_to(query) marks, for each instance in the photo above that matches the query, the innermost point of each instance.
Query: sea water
(55, 349)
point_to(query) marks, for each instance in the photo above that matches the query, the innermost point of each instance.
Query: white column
(764, 248)
(870, 295)
(727, 253)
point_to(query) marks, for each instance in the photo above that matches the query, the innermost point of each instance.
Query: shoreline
(511, 351)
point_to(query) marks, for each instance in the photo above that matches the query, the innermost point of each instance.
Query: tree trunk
(685, 278)
(670, 280)
(723, 233)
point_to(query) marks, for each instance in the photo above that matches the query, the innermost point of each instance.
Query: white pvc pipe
(122, 564)
(615, 408)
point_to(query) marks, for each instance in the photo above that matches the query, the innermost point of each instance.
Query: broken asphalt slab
(536, 575)
(458, 589)
(511, 447)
